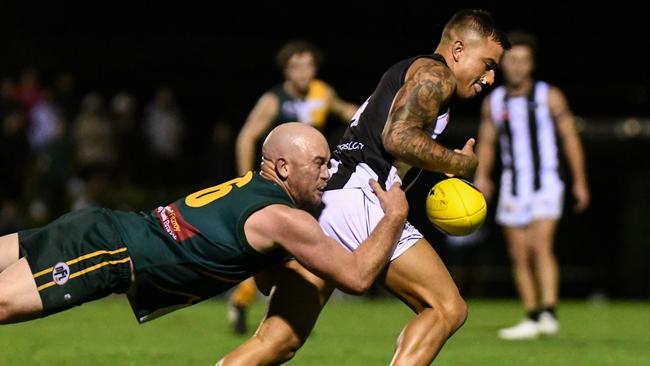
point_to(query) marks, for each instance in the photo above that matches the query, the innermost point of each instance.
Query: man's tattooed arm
(415, 107)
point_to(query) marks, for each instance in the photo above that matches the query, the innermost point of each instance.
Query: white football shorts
(350, 215)
(528, 205)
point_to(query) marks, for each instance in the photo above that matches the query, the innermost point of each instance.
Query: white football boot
(525, 329)
(547, 324)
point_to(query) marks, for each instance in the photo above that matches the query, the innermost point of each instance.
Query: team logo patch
(61, 273)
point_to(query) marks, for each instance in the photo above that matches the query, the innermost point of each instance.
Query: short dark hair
(294, 47)
(480, 21)
(521, 38)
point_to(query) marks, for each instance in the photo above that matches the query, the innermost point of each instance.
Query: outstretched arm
(299, 233)
(259, 120)
(572, 146)
(427, 87)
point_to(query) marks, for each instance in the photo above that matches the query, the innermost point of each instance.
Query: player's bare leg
(8, 250)
(533, 264)
(419, 278)
(547, 274)
(295, 304)
(520, 249)
(19, 299)
(546, 268)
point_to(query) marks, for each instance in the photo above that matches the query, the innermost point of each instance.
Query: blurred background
(131, 106)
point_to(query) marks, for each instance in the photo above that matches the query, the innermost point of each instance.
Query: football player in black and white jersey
(395, 129)
(527, 116)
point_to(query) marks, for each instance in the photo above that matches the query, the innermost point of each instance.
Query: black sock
(533, 315)
(550, 309)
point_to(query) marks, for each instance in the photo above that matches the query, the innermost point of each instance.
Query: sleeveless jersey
(313, 109)
(195, 247)
(527, 136)
(360, 155)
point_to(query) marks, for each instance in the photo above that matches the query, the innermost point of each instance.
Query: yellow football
(456, 207)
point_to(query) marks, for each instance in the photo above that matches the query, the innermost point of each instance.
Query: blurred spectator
(14, 152)
(48, 174)
(14, 155)
(52, 169)
(10, 218)
(95, 149)
(164, 132)
(44, 120)
(28, 92)
(8, 101)
(66, 97)
(122, 108)
(220, 154)
(14, 161)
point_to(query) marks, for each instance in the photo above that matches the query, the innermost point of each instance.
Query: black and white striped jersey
(527, 136)
(360, 154)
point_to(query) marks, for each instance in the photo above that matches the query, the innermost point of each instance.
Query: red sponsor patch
(174, 223)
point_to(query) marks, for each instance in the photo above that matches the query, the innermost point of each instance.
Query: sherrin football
(456, 207)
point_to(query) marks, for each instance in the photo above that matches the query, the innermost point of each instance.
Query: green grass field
(350, 332)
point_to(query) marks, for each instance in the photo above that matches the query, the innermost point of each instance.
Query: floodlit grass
(350, 332)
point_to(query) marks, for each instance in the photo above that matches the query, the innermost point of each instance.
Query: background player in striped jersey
(526, 116)
(300, 97)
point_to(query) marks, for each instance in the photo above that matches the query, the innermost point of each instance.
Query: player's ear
(282, 168)
(457, 49)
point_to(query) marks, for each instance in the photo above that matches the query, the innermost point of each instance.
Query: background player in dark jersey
(527, 116)
(392, 131)
(198, 246)
(300, 97)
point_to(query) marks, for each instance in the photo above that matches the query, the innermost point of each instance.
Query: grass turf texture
(349, 332)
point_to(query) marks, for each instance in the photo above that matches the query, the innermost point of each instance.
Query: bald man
(394, 130)
(198, 246)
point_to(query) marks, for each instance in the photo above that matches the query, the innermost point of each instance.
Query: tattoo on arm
(415, 108)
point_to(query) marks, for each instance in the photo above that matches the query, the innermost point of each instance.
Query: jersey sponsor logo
(60, 273)
(352, 145)
(165, 221)
(174, 224)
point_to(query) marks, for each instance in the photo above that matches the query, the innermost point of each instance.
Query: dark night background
(221, 60)
(218, 58)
